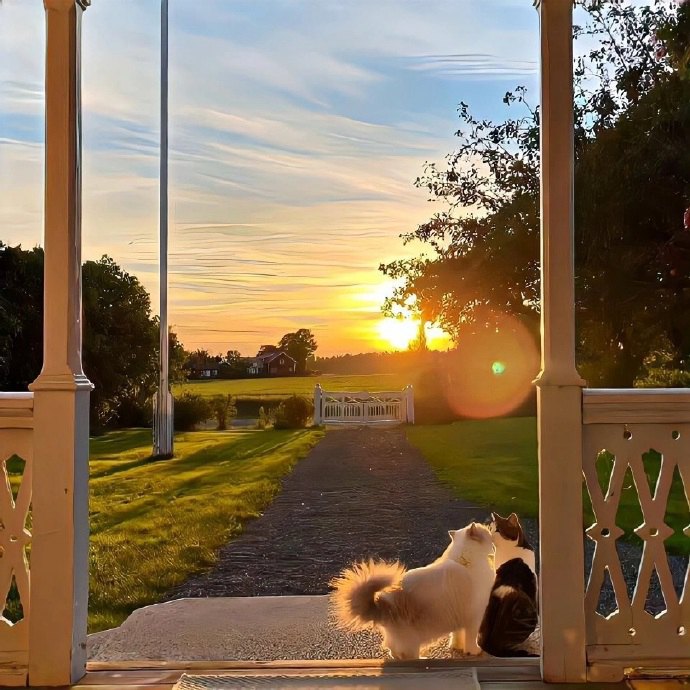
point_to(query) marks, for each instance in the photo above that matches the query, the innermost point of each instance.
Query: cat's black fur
(511, 615)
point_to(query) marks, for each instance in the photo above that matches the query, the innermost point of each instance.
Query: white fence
(364, 408)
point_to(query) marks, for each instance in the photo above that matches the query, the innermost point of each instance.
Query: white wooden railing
(621, 427)
(16, 456)
(363, 407)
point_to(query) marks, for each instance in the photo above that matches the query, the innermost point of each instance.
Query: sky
(297, 129)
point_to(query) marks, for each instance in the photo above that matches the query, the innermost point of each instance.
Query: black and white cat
(510, 541)
(512, 612)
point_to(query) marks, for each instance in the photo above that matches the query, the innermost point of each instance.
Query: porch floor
(166, 678)
(238, 629)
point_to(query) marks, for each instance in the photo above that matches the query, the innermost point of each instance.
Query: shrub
(266, 419)
(134, 413)
(294, 413)
(665, 378)
(223, 408)
(249, 406)
(431, 405)
(190, 410)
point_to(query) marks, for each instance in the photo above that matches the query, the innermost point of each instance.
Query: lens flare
(492, 372)
(498, 368)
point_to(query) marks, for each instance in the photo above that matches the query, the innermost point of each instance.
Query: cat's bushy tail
(356, 600)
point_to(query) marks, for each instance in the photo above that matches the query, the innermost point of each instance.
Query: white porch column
(59, 554)
(559, 392)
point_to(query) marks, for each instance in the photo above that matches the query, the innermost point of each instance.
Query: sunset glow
(297, 131)
(398, 333)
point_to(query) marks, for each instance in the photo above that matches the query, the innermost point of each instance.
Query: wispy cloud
(481, 66)
(297, 129)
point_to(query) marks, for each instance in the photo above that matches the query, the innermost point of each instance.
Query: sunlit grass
(155, 523)
(493, 463)
(296, 385)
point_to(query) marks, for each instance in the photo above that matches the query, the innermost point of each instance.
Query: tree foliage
(300, 345)
(233, 365)
(632, 182)
(21, 316)
(223, 408)
(191, 410)
(120, 337)
(294, 413)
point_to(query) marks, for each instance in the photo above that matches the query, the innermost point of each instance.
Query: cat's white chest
(507, 550)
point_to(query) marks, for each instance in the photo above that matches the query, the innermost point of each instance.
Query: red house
(277, 363)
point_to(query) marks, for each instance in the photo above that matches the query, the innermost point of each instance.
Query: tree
(120, 349)
(300, 346)
(223, 408)
(232, 365)
(199, 360)
(178, 356)
(232, 358)
(120, 336)
(419, 344)
(632, 185)
(21, 316)
(267, 350)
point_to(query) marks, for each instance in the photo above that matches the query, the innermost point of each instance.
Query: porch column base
(561, 578)
(60, 542)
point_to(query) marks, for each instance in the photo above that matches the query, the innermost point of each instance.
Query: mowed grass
(295, 385)
(493, 463)
(155, 523)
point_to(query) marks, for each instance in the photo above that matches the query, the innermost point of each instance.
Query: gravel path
(360, 493)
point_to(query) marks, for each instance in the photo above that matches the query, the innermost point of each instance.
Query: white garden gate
(390, 407)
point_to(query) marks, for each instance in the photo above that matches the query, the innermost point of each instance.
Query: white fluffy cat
(415, 607)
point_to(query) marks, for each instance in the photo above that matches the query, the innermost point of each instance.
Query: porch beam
(59, 554)
(559, 386)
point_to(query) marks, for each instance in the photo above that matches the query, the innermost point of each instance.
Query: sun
(398, 332)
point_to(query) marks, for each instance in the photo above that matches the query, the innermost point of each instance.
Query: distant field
(297, 385)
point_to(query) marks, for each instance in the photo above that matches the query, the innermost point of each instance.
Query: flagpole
(163, 407)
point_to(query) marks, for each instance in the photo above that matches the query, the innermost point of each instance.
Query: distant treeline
(439, 379)
(377, 362)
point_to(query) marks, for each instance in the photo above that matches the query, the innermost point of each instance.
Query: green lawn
(494, 463)
(298, 385)
(153, 524)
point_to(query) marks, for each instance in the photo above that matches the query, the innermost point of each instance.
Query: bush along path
(360, 493)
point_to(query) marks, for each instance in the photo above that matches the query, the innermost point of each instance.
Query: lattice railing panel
(629, 471)
(16, 465)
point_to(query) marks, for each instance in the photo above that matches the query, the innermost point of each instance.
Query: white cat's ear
(494, 516)
(451, 534)
(513, 520)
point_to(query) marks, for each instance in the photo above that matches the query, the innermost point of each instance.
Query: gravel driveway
(360, 493)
